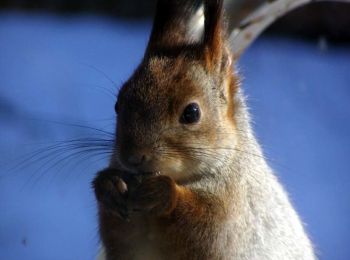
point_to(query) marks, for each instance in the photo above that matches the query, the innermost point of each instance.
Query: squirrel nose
(136, 159)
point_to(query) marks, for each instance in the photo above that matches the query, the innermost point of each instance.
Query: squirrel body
(188, 179)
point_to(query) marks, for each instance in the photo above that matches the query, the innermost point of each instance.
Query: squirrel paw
(111, 192)
(156, 195)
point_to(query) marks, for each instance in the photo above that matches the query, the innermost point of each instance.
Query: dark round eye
(191, 114)
(116, 107)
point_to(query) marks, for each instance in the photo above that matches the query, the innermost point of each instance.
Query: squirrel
(188, 179)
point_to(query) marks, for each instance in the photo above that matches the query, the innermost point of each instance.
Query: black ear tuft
(213, 30)
(213, 21)
(172, 22)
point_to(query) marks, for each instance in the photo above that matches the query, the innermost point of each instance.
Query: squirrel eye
(116, 107)
(191, 114)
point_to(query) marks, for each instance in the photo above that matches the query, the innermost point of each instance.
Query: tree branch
(255, 23)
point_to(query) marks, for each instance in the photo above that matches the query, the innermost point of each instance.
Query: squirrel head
(175, 115)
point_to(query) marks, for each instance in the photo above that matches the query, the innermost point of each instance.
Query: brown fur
(196, 193)
(180, 220)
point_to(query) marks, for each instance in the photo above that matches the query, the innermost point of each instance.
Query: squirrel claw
(111, 192)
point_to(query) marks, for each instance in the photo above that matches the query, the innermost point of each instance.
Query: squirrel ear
(215, 50)
(177, 23)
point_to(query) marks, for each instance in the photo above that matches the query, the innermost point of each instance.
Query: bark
(256, 22)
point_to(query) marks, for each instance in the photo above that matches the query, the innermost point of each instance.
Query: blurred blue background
(59, 74)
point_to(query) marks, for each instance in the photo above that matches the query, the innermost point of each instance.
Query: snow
(56, 72)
